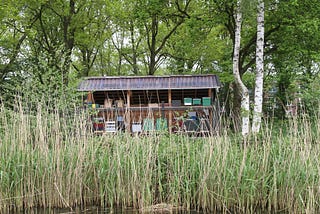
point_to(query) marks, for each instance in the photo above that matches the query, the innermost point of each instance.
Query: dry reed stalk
(48, 159)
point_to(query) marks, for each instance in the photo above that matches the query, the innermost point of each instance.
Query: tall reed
(51, 158)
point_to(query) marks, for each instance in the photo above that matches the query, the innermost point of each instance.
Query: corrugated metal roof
(115, 83)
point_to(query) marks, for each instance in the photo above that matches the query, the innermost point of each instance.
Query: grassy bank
(50, 159)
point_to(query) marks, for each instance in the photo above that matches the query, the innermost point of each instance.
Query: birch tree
(236, 72)
(258, 92)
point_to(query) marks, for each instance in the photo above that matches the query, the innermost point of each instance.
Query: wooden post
(170, 111)
(128, 115)
(210, 110)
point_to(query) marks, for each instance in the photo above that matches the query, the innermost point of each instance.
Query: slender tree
(258, 93)
(236, 72)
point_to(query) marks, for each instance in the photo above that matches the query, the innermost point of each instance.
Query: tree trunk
(152, 63)
(258, 93)
(152, 45)
(134, 49)
(236, 108)
(68, 34)
(236, 72)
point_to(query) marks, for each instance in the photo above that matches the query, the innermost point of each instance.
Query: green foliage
(249, 80)
(310, 96)
(41, 39)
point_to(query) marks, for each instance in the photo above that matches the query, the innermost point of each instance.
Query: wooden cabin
(142, 104)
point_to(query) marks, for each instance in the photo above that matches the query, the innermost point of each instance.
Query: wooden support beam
(128, 115)
(210, 92)
(170, 111)
(211, 110)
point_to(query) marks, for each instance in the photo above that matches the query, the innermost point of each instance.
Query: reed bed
(52, 159)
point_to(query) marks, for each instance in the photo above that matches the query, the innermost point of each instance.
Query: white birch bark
(236, 73)
(258, 92)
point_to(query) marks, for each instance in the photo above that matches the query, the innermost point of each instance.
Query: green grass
(49, 160)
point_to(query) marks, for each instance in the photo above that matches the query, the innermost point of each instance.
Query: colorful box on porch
(136, 127)
(98, 124)
(196, 101)
(110, 126)
(206, 101)
(148, 124)
(187, 101)
(161, 124)
(176, 102)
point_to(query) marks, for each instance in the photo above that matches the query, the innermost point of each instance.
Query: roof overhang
(124, 83)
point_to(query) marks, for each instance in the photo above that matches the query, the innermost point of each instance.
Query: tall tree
(53, 37)
(297, 56)
(258, 93)
(200, 44)
(93, 30)
(245, 110)
(159, 20)
(226, 10)
(16, 23)
(127, 39)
